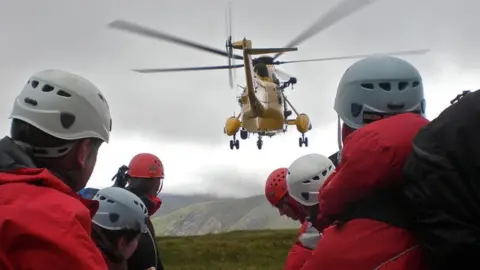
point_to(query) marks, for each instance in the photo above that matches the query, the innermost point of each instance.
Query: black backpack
(442, 185)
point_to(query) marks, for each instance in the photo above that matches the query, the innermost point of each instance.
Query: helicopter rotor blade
(228, 46)
(242, 87)
(148, 32)
(342, 10)
(411, 52)
(159, 70)
(282, 74)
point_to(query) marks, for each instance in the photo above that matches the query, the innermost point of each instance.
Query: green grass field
(240, 250)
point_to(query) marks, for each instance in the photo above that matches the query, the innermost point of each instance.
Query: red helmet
(145, 165)
(276, 191)
(276, 186)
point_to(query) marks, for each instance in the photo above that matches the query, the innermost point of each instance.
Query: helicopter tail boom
(255, 51)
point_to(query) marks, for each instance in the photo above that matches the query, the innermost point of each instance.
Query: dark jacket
(146, 255)
(443, 186)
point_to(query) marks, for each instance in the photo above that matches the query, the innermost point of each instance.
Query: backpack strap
(385, 206)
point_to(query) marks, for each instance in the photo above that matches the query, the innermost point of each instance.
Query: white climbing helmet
(306, 176)
(120, 209)
(378, 85)
(64, 105)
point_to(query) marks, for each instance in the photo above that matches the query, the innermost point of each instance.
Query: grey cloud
(193, 106)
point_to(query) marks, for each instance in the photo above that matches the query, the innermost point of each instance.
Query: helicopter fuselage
(262, 107)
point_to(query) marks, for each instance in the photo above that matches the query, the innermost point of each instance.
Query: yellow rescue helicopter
(265, 110)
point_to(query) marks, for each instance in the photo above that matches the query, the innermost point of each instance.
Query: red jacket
(43, 224)
(301, 250)
(372, 158)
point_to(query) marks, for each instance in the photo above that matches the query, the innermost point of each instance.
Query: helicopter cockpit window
(262, 70)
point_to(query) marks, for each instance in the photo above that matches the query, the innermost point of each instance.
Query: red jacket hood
(16, 166)
(43, 177)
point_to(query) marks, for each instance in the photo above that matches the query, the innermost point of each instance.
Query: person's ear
(122, 243)
(83, 152)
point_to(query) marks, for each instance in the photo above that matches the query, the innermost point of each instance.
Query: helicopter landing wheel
(259, 143)
(234, 144)
(243, 134)
(303, 141)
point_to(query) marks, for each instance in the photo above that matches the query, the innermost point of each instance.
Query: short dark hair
(107, 241)
(26, 133)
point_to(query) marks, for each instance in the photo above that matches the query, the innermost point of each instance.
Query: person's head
(277, 195)
(119, 222)
(306, 175)
(61, 119)
(377, 87)
(144, 177)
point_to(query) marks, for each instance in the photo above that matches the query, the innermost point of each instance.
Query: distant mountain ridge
(222, 215)
(173, 202)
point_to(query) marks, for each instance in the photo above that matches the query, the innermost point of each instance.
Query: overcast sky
(180, 116)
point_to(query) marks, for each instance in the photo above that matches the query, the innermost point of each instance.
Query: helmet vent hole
(402, 86)
(30, 101)
(62, 150)
(307, 182)
(386, 86)
(67, 120)
(34, 84)
(110, 201)
(356, 109)
(40, 151)
(330, 167)
(415, 83)
(102, 198)
(135, 202)
(63, 93)
(114, 217)
(47, 88)
(101, 97)
(369, 86)
(324, 172)
(316, 178)
(305, 196)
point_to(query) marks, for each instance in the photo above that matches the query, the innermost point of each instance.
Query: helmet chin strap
(339, 133)
(46, 152)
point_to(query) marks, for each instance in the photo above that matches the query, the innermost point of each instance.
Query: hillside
(224, 215)
(239, 250)
(172, 202)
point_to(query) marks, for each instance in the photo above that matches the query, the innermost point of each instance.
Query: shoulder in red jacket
(372, 158)
(369, 233)
(44, 225)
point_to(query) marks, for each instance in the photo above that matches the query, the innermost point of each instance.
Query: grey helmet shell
(120, 209)
(378, 83)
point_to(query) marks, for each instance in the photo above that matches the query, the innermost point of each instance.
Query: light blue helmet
(120, 209)
(376, 86)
